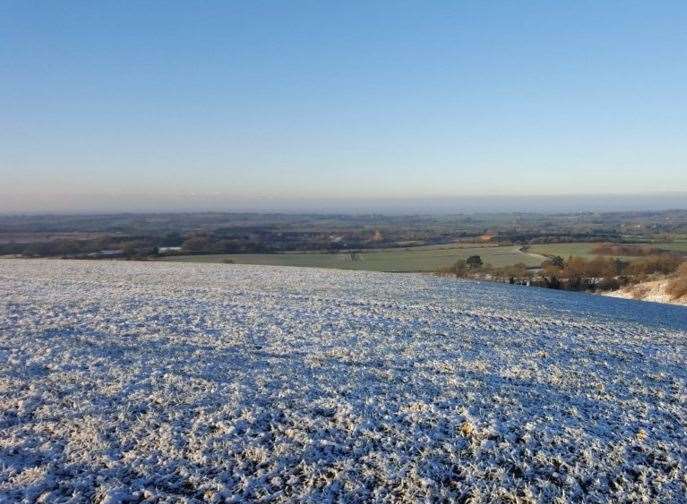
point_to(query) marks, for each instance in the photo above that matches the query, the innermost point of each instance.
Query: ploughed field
(167, 382)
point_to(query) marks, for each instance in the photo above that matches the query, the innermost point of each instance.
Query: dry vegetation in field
(619, 249)
(598, 274)
(671, 288)
(677, 287)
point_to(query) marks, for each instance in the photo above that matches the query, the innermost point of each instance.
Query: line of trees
(578, 273)
(620, 249)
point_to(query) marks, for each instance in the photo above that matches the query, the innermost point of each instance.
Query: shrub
(677, 287)
(516, 271)
(460, 268)
(558, 261)
(600, 267)
(474, 262)
(550, 268)
(616, 249)
(664, 264)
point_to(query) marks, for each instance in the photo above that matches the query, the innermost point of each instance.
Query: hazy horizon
(106, 204)
(170, 105)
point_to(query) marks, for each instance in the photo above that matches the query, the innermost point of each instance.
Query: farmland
(415, 259)
(581, 249)
(674, 246)
(247, 234)
(166, 382)
(585, 249)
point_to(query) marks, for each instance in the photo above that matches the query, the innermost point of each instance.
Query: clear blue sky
(298, 100)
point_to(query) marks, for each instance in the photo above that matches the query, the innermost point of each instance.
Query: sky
(218, 104)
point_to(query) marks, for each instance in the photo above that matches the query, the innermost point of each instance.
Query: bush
(474, 262)
(616, 249)
(664, 264)
(460, 268)
(557, 261)
(517, 271)
(677, 287)
(600, 267)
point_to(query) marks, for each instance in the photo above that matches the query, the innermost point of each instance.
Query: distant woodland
(144, 235)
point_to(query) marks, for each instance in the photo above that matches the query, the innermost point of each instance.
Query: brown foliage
(677, 287)
(616, 249)
(664, 264)
(599, 267)
(459, 268)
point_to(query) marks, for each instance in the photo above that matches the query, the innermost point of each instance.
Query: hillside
(126, 381)
(654, 291)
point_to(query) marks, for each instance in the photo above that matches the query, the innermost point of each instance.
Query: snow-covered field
(128, 382)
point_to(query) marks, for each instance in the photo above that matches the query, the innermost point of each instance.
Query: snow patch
(155, 382)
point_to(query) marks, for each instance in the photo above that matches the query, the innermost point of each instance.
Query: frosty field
(167, 382)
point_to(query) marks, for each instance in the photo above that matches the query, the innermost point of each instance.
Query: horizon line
(141, 203)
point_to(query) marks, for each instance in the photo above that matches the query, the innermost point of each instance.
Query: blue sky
(309, 100)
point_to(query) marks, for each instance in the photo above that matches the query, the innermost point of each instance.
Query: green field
(584, 249)
(675, 246)
(415, 259)
(565, 250)
(429, 258)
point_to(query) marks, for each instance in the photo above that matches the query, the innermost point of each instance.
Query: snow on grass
(130, 382)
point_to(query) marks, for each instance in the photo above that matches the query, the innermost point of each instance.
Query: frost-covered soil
(129, 382)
